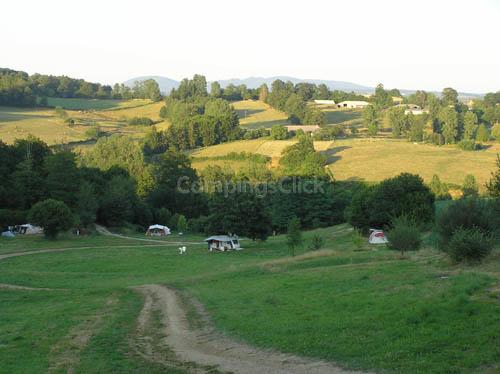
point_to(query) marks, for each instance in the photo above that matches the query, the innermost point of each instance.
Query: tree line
(445, 119)
(18, 88)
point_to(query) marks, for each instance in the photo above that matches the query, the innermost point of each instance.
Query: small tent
(377, 237)
(158, 230)
(223, 243)
(29, 229)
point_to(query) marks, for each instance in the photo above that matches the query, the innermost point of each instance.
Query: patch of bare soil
(205, 350)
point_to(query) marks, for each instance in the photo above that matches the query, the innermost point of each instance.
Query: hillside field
(255, 114)
(111, 117)
(365, 309)
(375, 159)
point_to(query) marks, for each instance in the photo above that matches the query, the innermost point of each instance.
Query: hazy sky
(414, 44)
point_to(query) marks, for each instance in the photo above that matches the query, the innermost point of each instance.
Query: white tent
(377, 237)
(158, 230)
(29, 229)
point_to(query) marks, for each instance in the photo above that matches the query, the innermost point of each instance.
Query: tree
(470, 125)
(381, 99)
(86, 204)
(302, 160)
(295, 106)
(449, 96)
(63, 177)
(405, 194)
(293, 235)
(52, 215)
(118, 201)
(316, 243)
(263, 93)
(239, 211)
(370, 118)
(279, 132)
(404, 235)
(493, 185)
(28, 184)
(449, 119)
(182, 224)
(482, 134)
(416, 124)
(469, 187)
(396, 120)
(215, 90)
(471, 213)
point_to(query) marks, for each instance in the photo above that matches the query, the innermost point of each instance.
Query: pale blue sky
(406, 44)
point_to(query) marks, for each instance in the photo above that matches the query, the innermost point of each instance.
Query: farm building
(223, 243)
(324, 102)
(413, 109)
(305, 128)
(353, 104)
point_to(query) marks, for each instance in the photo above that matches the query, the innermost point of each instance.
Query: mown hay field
(254, 114)
(378, 159)
(18, 123)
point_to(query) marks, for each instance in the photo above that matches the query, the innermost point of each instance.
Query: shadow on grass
(331, 154)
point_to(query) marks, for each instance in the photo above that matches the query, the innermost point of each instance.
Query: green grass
(363, 309)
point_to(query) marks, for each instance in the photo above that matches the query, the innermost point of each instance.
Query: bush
(468, 145)
(471, 213)
(93, 132)
(316, 243)
(470, 245)
(329, 133)
(53, 215)
(140, 121)
(404, 235)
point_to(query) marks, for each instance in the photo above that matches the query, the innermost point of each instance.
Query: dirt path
(104, 231)
(22, 288)
(205, 349)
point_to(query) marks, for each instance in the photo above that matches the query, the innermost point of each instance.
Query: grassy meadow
(365, 308)
(255, 114)
(110, 115)
(374, 159)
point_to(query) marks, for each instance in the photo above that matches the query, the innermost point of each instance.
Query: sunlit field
(254, 114)
(45, 124)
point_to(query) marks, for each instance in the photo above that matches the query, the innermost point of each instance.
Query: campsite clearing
(318, 304)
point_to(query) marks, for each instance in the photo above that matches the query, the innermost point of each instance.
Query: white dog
(182, 250)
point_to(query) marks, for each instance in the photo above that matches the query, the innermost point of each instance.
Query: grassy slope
(364, 309)
(95, 104)
(375, 160)
(43, 123)
(254, 114)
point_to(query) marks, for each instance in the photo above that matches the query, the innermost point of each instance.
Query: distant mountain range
(166, 84)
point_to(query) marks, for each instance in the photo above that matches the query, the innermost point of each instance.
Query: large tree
(52, 215)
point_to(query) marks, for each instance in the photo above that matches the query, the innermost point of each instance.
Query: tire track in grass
(204, 349)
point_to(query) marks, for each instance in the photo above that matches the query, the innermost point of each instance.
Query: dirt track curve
(207, 348)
